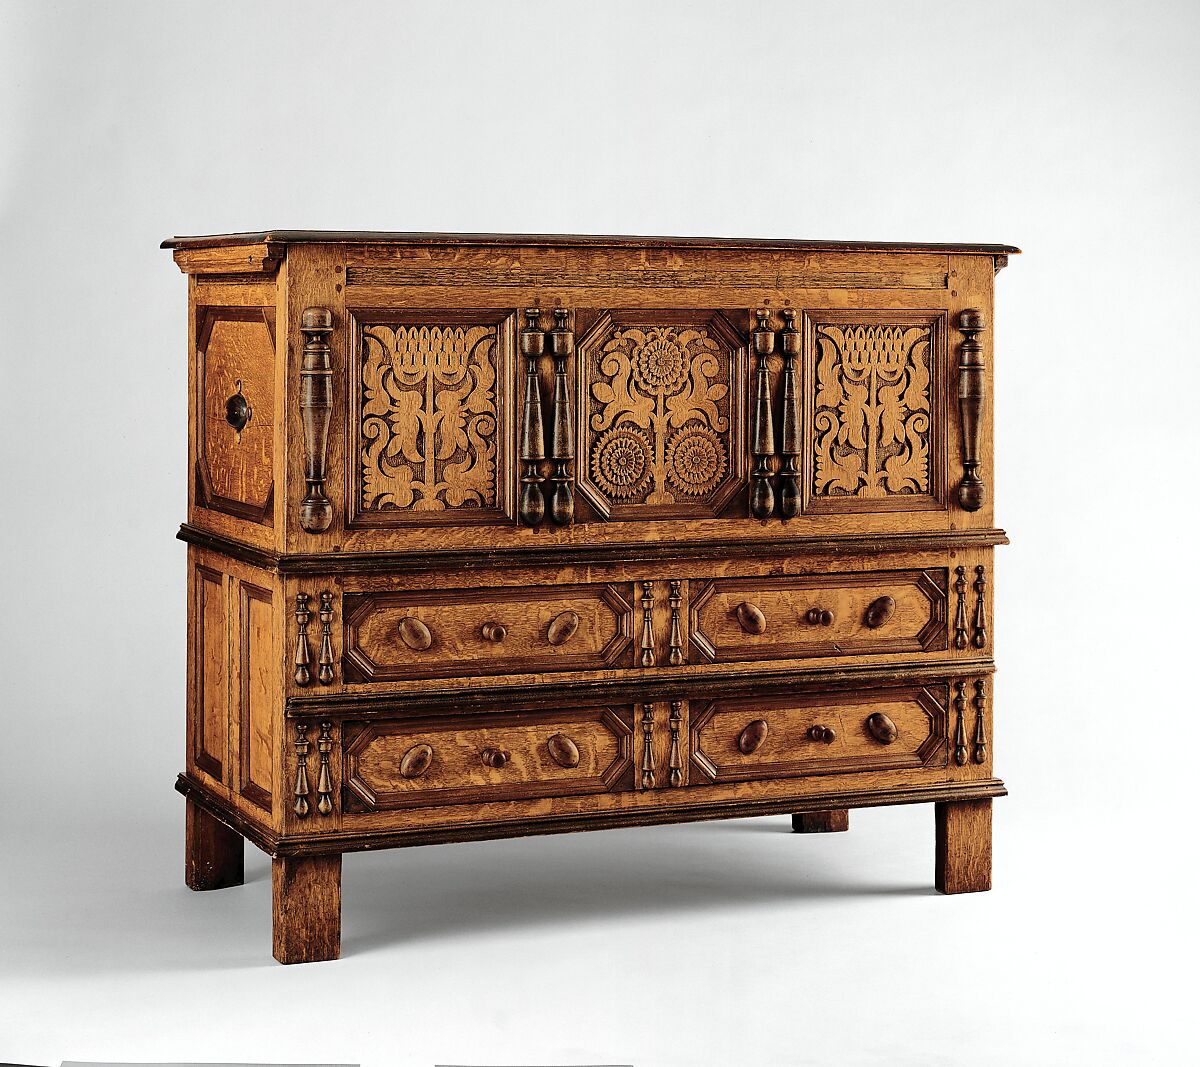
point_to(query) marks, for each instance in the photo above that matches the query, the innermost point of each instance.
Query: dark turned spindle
(789, 473)
(971, 490)
(532, 506)
(316, 408)
(562, 433)
(762, 430)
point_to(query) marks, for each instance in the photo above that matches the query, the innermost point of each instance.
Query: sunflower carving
(695, 460)
(663, 416)
(621, 462)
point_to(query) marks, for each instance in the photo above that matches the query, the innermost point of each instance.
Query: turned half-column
(316, 408)
(971, 490)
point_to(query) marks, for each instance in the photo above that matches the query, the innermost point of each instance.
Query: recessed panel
(432, 418)
(875, 411)
(661, 422)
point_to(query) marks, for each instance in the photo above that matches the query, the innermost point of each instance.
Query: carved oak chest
(496, 535)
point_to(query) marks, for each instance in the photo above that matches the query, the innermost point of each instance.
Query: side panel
(235, 682)
(234, 428)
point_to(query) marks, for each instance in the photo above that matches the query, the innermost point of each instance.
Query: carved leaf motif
(872, 411)
(429, 417)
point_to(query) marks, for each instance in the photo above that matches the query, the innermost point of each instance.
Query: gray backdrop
(1069, 129)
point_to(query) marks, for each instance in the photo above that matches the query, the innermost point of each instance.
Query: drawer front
(740, 739)
(484, 758)
(445, 633)
(818, 615)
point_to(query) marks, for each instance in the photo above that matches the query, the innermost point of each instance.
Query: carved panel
(662, 414)
(235, 402)
(817, 615)
(256, 693)
(445, 633)
(483, 758)
(820, 733)
(876, 411)
(432, 418)
(210, 730)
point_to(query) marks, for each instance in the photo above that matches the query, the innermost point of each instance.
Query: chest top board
(498, 535)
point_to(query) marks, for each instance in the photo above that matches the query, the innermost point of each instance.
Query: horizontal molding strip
(560, 555)
(526, 826)
(647, 277)
(562, 240)
(657, 683)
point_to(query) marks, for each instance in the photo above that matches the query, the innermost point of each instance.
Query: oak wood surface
(493, 535)
(214, 853)
(963, 844)
(306, 894)
(563, 240)
(834, 820)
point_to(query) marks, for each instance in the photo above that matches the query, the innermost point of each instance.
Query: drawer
(510, 630)
(793, 617)
(884, 728)
(483, 758)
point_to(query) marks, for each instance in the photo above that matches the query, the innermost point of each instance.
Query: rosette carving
(663, 427)
(621, 462)
(695, 460)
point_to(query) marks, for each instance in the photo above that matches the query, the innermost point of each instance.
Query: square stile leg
(307, 897)
(964, 846)
(214, 855)
(821, 822)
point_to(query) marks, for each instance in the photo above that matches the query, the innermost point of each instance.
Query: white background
(1069, 129)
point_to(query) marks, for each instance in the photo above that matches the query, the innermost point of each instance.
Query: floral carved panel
(661, 427)
(875, 412)
(432, 419)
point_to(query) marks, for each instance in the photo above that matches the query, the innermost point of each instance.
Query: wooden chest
(494, 535)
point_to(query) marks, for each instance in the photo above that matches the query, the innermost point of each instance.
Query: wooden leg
(214, 855)
(821, 822)
(964, 846)
(307, 895)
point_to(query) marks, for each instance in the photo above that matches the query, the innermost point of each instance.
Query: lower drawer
(484, 758)
(742, 738)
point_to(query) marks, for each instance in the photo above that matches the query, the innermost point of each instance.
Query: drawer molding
(747, 545)
(456, 696)
(494, 656)
(678, 810)
(932, 636)
(359, 796)
(717, 767)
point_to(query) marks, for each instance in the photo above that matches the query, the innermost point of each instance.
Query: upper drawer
(818, 615)
(502, 630)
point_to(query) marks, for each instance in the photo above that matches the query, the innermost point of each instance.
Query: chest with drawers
(491, 536)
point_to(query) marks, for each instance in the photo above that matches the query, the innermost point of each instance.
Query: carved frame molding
(358, 666)
(250, 789)
(359, 797)
(736, 477)
(207, 316)
(505, 322)
(933, 750)
(931, 636)
(939, 413)
(205, 760)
